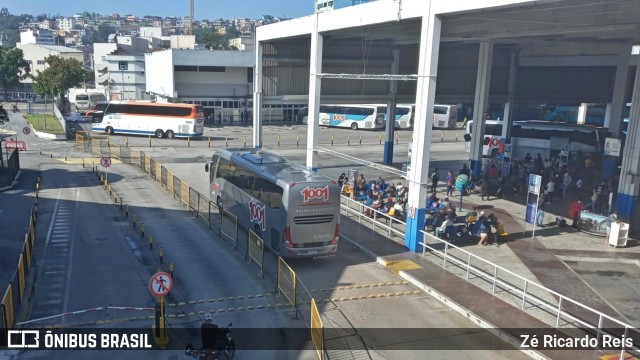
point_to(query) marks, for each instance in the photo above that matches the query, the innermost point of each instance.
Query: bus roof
(270, 165)
(541, 124)
(149, 103)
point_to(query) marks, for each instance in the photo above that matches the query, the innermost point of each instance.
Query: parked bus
(445, 116)
(594, 114)
(294, 210)
(150, 118)
(536, 136)
(492, 136)
(88, 101)
(403, 115)
(354, 116)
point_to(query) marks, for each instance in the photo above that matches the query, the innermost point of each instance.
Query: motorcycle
(208, 354)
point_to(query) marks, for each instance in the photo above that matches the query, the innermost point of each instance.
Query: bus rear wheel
(354, 126)
(109, 130)
(170, 134)
(159, 134)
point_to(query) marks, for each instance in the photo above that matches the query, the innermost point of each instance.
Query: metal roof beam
(368, 76)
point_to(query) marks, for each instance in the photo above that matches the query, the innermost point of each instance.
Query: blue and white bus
(354, 116)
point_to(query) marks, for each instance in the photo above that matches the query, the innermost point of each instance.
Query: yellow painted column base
(161, 341)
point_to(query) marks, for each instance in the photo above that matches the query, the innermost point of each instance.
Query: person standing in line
(566, 182)
(594, 201)
(551, 188)
(434, 180)
(450, 183)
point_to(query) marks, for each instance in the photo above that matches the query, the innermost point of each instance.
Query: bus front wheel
(109, 130)
(170, 134)
(159, 134)
(354, 126)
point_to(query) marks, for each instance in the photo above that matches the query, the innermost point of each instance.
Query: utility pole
(191, 17)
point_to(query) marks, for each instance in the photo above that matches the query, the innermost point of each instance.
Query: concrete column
(480, 102)
(425, 98)
(391, 110)
(315, 68)
(629, 185)
(257, 98)
(507, 119)
(619, 87)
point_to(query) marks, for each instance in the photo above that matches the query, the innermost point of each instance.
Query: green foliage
(9, 25)
(46, 122)
(58, 77)
(4, 117)
(13, 68)
(103, 33)
(214, 41)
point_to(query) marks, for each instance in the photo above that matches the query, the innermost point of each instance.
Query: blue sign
(532, 211)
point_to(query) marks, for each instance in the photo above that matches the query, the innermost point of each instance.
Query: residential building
(120, 67)
(243, 43)
(47, 24)
(35, 54)
(66, 24)
(40, 37)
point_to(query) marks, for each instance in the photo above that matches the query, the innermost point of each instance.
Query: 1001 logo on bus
(257, 214)
(319, 193)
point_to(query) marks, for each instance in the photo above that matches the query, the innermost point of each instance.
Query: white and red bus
(150, 118)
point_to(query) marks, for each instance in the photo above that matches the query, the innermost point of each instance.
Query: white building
(183, 42)
(125, 77)
(243, 43)
(119, 67)
(66, 24)
(41, 37)
(36, 53)
(220, 81)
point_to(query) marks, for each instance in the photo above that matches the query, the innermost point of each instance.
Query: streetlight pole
(122, 79)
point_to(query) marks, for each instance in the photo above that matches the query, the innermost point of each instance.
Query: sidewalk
(562, 259)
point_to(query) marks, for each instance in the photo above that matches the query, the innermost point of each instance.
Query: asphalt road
(90, 255)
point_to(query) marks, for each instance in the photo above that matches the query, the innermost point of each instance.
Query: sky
(203, 9)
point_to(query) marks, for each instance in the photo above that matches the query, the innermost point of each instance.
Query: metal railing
(391, 225)
(498, 277)
(528, 292)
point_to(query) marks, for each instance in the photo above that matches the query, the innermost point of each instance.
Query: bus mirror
(467, 137)
(486, 141)
(206, 167)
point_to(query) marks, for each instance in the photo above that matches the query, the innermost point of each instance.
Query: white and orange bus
(150, 118)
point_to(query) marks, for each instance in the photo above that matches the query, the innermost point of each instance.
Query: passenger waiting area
(386, 201)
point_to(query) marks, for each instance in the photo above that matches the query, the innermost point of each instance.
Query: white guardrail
(498, 277)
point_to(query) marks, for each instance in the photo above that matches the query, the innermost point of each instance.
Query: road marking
(259, 296)
(235, 309)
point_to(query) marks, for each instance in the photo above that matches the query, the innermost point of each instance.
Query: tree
(13, 68)
(59, 76)
(104, 30)
(213, 40)
(4, 117)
